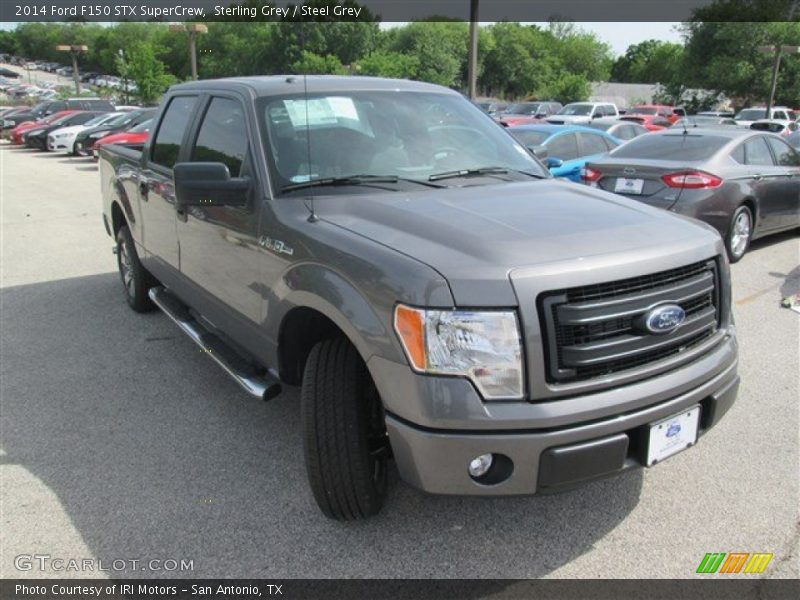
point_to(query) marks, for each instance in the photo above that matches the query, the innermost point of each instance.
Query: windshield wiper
(354, 180)
(478, 172)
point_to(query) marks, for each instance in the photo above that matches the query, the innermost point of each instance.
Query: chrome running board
(257, 384)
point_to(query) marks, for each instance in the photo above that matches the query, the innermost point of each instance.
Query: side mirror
(539, 152)
(208, 184)
(554, 163)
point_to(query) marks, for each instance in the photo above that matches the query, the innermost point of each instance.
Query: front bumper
(553, 455)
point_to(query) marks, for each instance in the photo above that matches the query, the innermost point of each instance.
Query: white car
(748, 116)
(581, 113)
(63, 140)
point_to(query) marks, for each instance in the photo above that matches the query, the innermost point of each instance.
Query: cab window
(167, 141)
(222, 136)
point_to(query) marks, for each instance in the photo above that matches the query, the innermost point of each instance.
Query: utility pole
(779, 52)
(193, 29)
(74, 50)
(473, 49)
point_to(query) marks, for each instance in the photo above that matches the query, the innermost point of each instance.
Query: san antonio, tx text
(240, 591)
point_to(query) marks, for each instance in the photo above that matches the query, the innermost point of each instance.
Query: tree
(148, 73)
(389, 64)
(440, 48)
(314, 64)
(725, 59)
(567, 87)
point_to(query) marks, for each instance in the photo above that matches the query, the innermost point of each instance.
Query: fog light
(479, 465)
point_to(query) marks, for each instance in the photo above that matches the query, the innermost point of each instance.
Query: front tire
(345, 441)
(136, 281)
(740, 233)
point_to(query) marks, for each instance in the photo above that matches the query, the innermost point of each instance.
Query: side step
(259, 385)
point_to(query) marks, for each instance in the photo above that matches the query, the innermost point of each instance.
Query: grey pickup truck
(442, 301)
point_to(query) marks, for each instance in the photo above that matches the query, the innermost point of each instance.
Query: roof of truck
(286, 84)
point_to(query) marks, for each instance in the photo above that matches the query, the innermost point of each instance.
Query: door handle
(758, 177)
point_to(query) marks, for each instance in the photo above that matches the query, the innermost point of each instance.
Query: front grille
(596, 330)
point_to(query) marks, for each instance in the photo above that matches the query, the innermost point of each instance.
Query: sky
(617, 35)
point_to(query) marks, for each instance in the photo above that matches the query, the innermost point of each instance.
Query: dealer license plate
(628, 186)
(672, 435)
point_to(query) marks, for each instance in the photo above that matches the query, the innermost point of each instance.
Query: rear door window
(167, 141)
(592, 144)
(757, 153)
(784, 154)
(564, 146)
(222, 136)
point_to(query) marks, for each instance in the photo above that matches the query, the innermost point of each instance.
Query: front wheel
(739, 233)
(345, 440)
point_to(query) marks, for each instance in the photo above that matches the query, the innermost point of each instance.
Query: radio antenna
(312, 218)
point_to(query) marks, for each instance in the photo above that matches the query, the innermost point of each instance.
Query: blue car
(565, 149)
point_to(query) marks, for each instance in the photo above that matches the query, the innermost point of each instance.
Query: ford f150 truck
(442, 301)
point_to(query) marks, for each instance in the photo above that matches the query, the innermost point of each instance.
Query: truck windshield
(408, 136)
(576, 110)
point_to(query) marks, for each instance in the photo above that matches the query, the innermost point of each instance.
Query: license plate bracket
(623, 185)
(672, 435)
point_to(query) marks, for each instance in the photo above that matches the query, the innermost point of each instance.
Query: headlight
(60, 135)
(483, 346)
(98, 134)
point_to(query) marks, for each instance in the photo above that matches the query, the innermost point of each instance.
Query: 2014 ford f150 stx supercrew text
(441, 299)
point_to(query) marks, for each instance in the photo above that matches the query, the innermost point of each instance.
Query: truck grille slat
(593, 331)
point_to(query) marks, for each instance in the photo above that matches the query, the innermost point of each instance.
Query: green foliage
(314, 64)
(567, 87)
(389, 64)
(514, 60)
(725, 58)
(148, 73)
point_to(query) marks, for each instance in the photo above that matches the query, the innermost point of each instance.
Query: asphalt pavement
(120, 440)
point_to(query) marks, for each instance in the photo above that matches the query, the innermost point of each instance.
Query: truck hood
(475, 236)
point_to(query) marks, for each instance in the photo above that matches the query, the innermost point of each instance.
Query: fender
(315, 286)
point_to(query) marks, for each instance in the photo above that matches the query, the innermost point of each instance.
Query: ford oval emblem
(664, 318)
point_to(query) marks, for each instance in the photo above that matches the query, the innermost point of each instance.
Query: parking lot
(121, 440)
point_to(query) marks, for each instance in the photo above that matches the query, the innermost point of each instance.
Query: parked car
(63, 139)
(134, 137)
(794, 140)
(522, 113)
(18, 133)
(727, 114)
(705, 121)
(581, 113)
(670, 113)
(619, 129)
(564, 148)
(8, 73)
(37, 137)
(425, 284)
(748, 116)
(782, 128)
(649, 122)
(744, 183)
(49, 107)
(491, 107)
(85, 140)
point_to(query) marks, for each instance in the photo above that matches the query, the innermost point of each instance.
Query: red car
(670, 113)
(649, 122)
(16, 133)
(527, 113)
(133, 137)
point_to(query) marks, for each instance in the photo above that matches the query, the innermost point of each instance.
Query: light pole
(74, 50)
(193, 29)
(779, 52)
(473, 50)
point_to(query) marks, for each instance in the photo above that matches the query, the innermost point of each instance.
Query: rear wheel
(345, 440)
(136, 280)
(739, 233)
